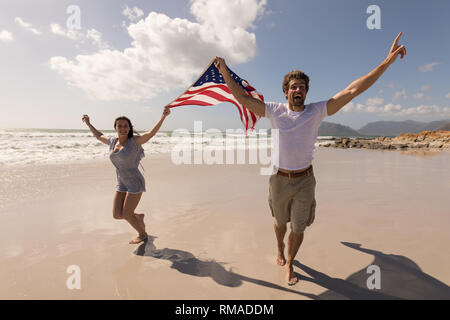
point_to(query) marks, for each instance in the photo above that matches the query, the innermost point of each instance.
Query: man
(291, 190)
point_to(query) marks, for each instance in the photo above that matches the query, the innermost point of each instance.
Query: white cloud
(389, 108)
(418, 95)
(132, 14)
(428, 67)
(424, 110)
(70, 34)
(93, 35)
(166, 53)
(6, 36)
(447, 95)
(399, 94)
(425, 88)
(27, 26)
(96, 38)
(392, 107)
(397, 110)
(391, 85)
(374, 101)
(237, 14)
(349, 107)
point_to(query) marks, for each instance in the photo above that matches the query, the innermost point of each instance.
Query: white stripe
(212, 101)
(203, 97)
(217, 90)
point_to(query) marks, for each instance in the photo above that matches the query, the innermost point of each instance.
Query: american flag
(210, 89)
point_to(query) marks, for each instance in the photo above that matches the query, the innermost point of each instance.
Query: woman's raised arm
(94, 131)
(143, 138)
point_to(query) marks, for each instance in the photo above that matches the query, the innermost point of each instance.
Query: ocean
(24, 147)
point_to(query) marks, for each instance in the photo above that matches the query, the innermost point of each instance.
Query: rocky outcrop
(424, 140)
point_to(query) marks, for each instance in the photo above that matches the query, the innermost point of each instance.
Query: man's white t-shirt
(297, 132)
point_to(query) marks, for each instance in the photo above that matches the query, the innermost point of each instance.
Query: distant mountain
(435, 125)
(395, 128)
(383, 128)
(445, 127)
(335, 129)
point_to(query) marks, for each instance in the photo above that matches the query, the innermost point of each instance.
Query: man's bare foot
(139, 239)
(290, 275)
(281, 260)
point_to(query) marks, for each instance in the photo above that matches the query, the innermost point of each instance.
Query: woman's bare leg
(119, 199)
(130, 204)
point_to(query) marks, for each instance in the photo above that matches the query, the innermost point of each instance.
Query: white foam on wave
(46, 146)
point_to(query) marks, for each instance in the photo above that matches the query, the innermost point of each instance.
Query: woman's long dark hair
(131, 132)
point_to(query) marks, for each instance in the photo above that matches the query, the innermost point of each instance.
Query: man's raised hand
(396, 50)
(220, 64)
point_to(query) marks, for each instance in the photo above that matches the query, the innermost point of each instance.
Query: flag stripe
(205, 103)
(211, 89)
(217, 89)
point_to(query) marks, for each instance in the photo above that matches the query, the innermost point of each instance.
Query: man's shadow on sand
(401, 278)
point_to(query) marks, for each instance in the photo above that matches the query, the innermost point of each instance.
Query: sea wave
(47, 146)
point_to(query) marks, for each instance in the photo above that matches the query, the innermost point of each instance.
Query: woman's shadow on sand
(185, 262)
(401, 278)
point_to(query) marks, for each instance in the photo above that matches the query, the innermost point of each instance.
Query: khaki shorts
(292, 200)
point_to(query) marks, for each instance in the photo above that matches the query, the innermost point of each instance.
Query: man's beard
(298, 102)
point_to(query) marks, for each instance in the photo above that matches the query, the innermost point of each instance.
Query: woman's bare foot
(281, 260)
(140, 238)
(291, 279)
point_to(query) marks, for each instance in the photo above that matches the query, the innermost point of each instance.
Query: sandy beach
(212, 234)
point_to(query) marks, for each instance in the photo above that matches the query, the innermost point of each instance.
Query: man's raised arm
(362, 84)
(256, 106)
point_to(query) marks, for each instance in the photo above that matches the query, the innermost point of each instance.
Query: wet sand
(212, 233)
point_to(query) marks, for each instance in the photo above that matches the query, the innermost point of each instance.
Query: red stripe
(205, 92)
(192, 103)
(213, 95)
(195, 99)
(253, 116)
(203, 103)
(210, 94)
(200, 92)
(222, 86)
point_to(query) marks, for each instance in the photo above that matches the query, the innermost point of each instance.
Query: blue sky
(133, 57)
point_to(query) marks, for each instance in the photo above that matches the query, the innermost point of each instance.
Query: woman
(125, 152)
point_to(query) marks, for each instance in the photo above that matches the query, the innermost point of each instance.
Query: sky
(106, 58)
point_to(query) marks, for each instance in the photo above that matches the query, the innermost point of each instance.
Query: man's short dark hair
(295, 74)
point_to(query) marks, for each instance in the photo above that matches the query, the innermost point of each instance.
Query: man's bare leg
(294, 242)
(280, 232)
